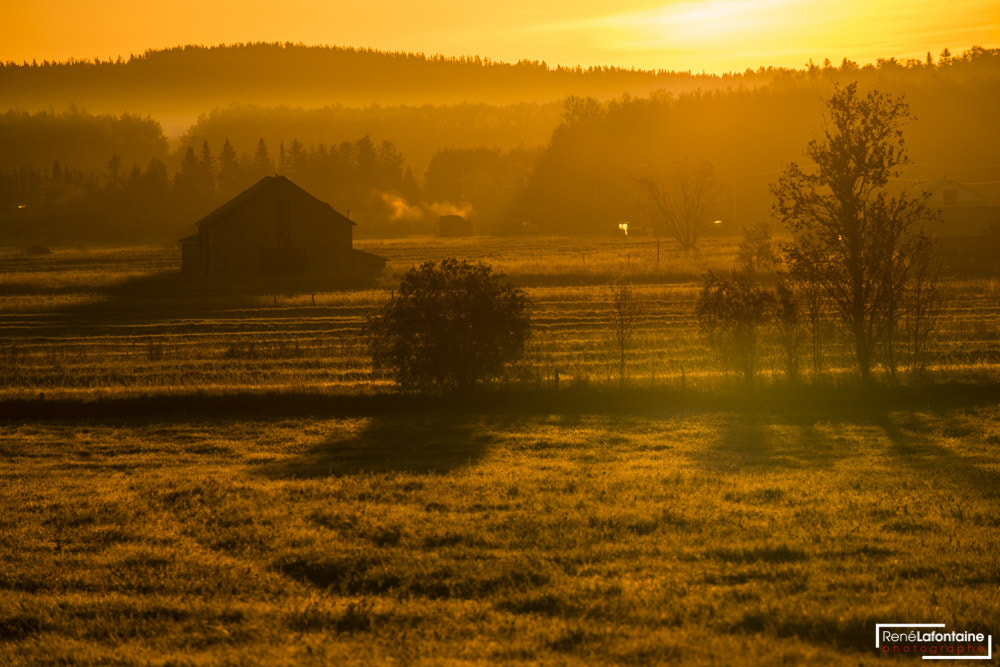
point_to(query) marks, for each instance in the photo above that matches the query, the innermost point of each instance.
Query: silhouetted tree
(157, 180)
(188, 177)
(206, 169)
(230, 174)
(923, 302)
(114, 170)
(755, 252)
(788, 319)
(624, 320)
(680, 205)
(852, 233)
(730, 313)
(450, 324)
(262, 164)
(295, 158)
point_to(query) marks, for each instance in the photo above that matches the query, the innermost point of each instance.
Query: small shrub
(450, 325)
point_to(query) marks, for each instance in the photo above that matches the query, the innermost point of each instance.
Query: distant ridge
(194, 79)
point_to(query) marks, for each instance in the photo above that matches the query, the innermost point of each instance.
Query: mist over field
(93, 172)
(331, 355)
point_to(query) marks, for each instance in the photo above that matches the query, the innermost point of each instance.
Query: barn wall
(281, 230)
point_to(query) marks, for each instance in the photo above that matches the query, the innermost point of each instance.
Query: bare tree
(788, 319)
(924, 301)
(680, 204)
(851, 231)
(624, 320)
(730, 313)
(812, 295)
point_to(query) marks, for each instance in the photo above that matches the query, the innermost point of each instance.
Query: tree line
(858, 257)
(371, 182)
(631, 159)
(193, 78)
(597, 168)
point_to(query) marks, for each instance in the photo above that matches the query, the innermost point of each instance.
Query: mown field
(90, 323)
(220, 479)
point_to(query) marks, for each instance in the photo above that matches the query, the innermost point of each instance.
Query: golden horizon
(710, 36)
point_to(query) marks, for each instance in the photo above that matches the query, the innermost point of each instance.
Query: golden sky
(710, 35)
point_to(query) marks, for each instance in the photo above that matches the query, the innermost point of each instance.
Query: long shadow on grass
(761, 441)
(920, 451)
(430, 443)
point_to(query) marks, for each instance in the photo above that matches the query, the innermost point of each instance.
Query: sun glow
(710, 35)
(693, 22)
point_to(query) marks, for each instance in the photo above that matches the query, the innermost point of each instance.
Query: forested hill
(193, 79)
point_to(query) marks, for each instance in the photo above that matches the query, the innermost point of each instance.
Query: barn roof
(254, 191)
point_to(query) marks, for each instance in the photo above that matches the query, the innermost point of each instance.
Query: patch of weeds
(568, 639)
(18, 626)
(544, 603)
(781, 553)
(447, 538)
(326, 571)
(385, 536)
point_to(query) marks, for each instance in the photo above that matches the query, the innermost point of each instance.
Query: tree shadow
(766, 442)
(921, 452)
(431, 444)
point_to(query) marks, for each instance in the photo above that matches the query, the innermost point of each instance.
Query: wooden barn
(276, 228)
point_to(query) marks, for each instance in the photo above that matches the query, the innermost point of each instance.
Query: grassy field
(214, 476)
(94, 323)
(439, 535)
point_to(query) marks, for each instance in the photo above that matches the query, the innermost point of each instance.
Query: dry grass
(277, 505)
(440, 536)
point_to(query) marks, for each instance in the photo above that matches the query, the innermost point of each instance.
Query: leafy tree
(450, 325)
(852, 232)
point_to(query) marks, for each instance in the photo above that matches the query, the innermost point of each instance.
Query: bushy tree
(450, 325)
(853, 233)
(731, 311)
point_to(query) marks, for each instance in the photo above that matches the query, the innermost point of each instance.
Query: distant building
(276, 228)
(963, 211)
(454, 225)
